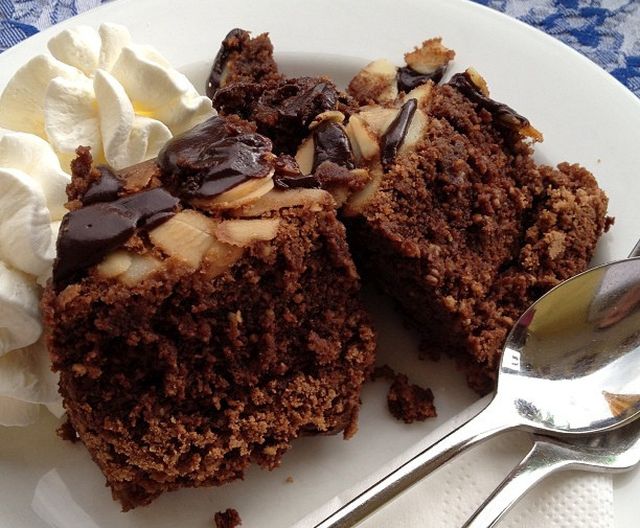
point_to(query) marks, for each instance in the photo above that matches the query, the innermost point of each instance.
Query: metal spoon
(570, 365)
(612, 451)
(616, 451)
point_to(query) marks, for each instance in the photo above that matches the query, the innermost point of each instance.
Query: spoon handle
(543, 459)
(489, 422)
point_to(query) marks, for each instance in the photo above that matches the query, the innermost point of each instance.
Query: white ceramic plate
(585, 115)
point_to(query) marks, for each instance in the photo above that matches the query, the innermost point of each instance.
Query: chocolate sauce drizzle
(503, 114)
(331, 143)
(212, 158)
(393, 138)
(310, 181)
(105, 189)
(88, 234)
(289, 176)
(229, 44)
(408, 78)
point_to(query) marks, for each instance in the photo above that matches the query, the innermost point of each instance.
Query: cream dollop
(97, 89)
(26, 381)
(32, 194)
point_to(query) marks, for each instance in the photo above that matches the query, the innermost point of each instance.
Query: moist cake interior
(207, 337)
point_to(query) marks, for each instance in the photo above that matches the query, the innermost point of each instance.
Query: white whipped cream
(26, 382)
(97, 89)
(32, 194)
(19, 318)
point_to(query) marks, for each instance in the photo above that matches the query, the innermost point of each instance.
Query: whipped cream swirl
(98, 89)
(32, 194)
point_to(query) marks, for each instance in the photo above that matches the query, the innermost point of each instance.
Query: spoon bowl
(570, 366)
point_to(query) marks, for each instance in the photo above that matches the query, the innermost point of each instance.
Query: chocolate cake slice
(204, 312)
(454, 219)
(459, 224)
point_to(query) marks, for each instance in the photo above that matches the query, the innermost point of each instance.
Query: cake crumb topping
(230, 518)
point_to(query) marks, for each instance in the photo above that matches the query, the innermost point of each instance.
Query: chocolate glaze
(289, 176)
(392, 139)
(105, 189)
(300, 101)
(331, 143)
(88, 234)
(214, 157)
(503, 114)
(283, 110)
(407, 78)
(309, 181)
(230, 43)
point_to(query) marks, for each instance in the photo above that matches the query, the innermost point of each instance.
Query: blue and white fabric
(20, 19)
(606, 31)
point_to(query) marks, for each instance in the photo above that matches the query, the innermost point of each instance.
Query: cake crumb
(409, 402)
(289, 480)
(230, 518)
(66, 431)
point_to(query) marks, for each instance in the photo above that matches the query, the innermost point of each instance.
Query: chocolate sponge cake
(459, 225)
(202, 315)
(456, 221)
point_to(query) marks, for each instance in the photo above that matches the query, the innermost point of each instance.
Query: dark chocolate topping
(230, 43)
(214, 157)
(239, 98)
(88, 234)
(331, 143)
(392, 139)
(294, 182)
(145, 205)
(289, 176)
(283, 110)
(302, 102)
(503, 114)
(408, 78)
(105, 189)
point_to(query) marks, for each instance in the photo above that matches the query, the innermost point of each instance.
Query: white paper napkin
(448, 497)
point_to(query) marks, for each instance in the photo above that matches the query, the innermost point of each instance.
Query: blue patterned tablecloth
(606, 31)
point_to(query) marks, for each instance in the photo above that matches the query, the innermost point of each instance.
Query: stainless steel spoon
(571, 365)
(612, 451)
(615, 451)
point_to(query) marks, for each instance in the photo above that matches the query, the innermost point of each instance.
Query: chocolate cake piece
(459, 224)
(242, 59)
(200, 317)
(229, 518)
(452, 217)
(406, 401)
